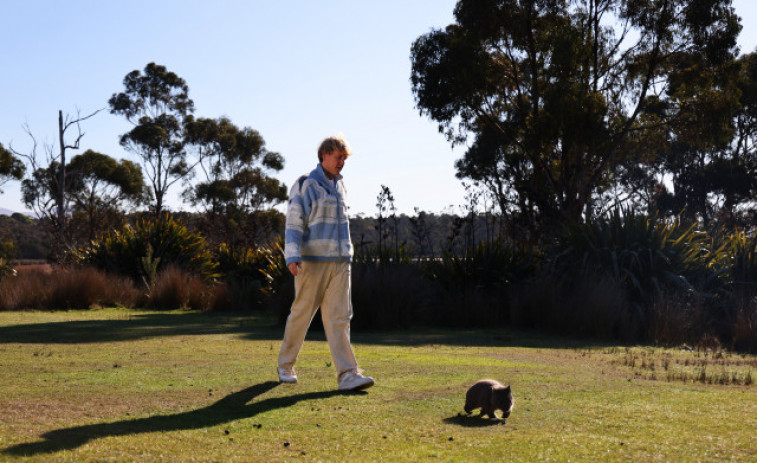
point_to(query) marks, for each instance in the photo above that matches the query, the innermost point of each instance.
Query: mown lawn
(116, 385)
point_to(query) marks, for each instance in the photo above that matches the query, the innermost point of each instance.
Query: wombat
(489, 396)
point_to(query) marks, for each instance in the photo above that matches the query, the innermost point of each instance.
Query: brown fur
(489, 396)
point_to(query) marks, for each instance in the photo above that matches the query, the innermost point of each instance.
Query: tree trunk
(61, 193)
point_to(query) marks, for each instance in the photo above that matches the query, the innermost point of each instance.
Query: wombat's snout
(506, 413)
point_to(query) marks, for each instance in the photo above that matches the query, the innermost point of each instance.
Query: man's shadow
(230, 408)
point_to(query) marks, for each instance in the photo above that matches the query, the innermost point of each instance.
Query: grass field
(116, 385)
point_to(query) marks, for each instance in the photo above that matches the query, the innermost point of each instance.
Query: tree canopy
(11, 168)
(560, 99)
(237, 187)
(156, 101)
(101, 189)
(228, 157)
(97, 189)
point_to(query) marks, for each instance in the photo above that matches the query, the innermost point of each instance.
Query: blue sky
(295, 71)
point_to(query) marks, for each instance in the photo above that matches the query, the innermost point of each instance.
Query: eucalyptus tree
(554, 97)
(98, 188)
(11, 168)
(713, 172)
(238, 189)
(156, 101)
(102, 189)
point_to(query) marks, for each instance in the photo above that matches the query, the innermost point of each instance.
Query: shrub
(744, 335)
(590, 306)
(473, 289)
(254, 278)
(390, 296)
(150, 246)
(51, 288)
(6, 269)
(677, 318)
(177, 289)
(740, 261)
(644, 256)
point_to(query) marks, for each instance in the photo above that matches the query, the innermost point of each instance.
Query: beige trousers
(324, 284)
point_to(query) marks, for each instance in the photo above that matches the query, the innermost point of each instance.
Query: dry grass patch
(45, 287)
(686, 365)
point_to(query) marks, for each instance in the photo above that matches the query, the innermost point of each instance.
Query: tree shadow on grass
(231, 408)
(136, 325)
(473, 421)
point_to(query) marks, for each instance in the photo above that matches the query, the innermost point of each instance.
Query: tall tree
(237, 187)
(97, 186)
(157, 103)
(714, 171)
(11, 168)
(553, 92)
(101, 187)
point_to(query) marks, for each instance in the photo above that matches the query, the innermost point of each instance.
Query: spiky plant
(171, 243)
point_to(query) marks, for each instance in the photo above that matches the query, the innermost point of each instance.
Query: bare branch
(68, 123)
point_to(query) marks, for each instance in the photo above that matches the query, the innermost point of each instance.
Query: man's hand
(294, 268)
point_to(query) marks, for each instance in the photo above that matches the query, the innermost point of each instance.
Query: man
(318, 252)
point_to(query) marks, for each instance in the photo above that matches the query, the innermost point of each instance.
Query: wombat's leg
(468, 409)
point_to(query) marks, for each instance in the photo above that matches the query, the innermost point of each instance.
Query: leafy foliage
(254, 275)
(100, 183)
(11, 168)
(97, 188)
(474, 287)
(6, 269)
(237, 188)
(227, 155)
(165, 240)
(552, 94)
(645, 255)
(741, 264)
(157, 102)
(27, 237)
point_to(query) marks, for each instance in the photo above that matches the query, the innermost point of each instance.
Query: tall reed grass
(63, 288)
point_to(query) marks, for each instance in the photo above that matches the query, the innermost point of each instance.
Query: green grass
(117, 385)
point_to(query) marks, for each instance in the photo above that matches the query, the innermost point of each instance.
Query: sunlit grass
(118, 385)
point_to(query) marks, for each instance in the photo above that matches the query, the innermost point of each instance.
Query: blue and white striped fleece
(317, 225)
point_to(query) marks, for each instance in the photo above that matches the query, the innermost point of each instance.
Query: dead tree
(45, 190)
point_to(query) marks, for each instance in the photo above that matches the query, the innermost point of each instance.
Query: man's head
(332, 153)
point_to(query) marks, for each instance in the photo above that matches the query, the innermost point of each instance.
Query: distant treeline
(424, 235)
(22, 237)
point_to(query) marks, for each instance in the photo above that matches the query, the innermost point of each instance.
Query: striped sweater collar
(319, 175)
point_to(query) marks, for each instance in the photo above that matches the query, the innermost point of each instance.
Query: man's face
(333, 163)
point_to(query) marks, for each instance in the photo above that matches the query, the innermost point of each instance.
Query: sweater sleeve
(296, 224)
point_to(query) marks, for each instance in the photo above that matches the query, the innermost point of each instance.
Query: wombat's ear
(507, 388)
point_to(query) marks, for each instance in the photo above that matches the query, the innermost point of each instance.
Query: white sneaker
(287, 376)
(354, 381)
